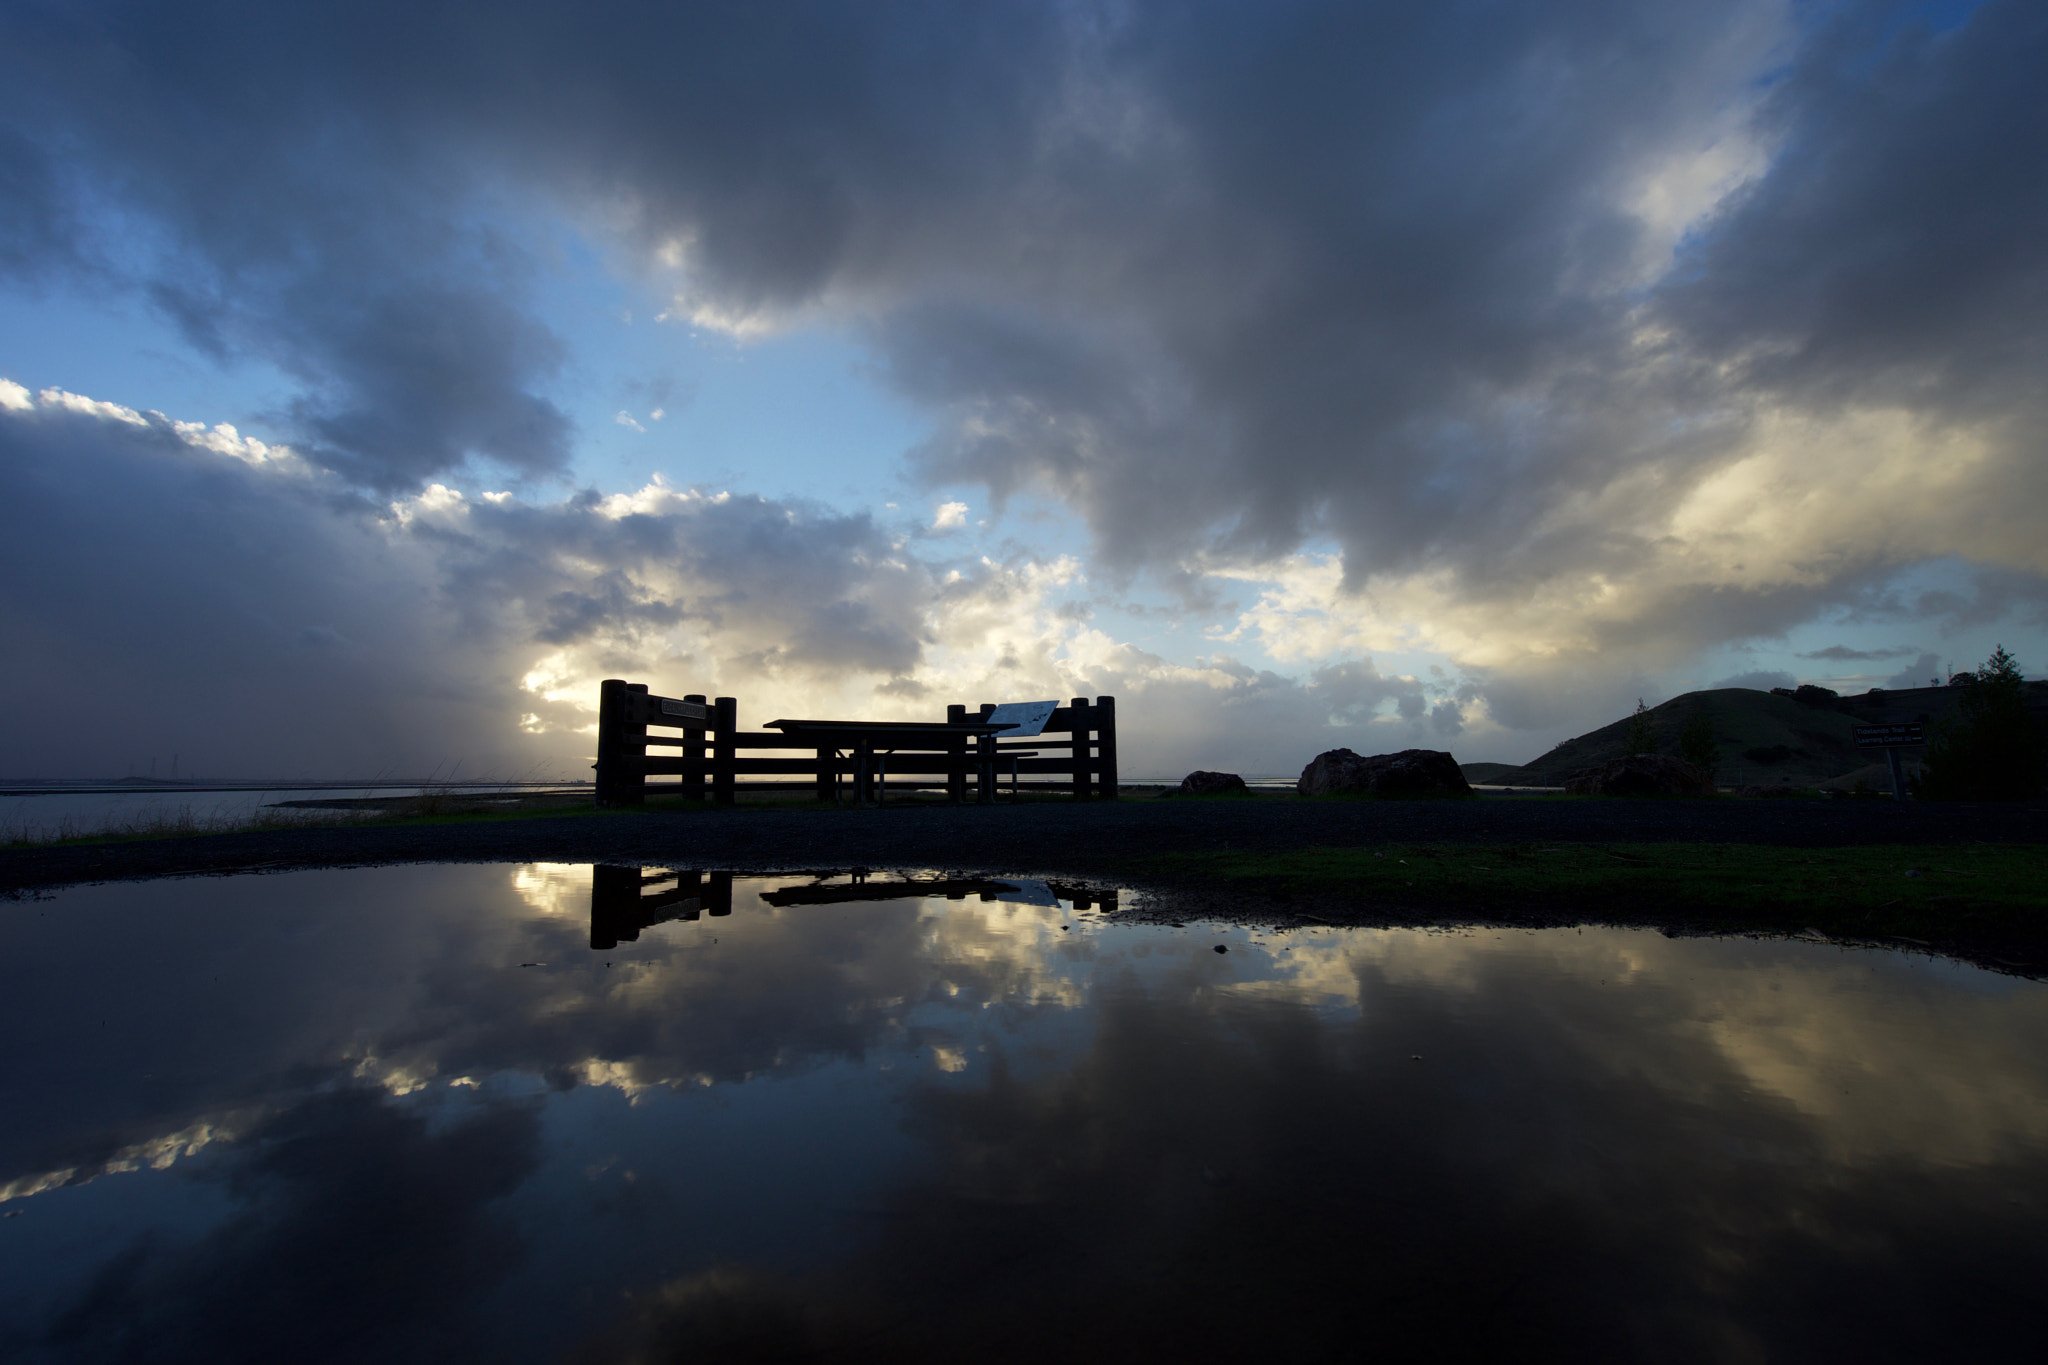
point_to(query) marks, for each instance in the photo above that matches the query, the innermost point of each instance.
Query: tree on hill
(1989, 748)
(1641, 735)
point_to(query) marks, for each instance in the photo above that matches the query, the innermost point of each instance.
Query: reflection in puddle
(633, 1113)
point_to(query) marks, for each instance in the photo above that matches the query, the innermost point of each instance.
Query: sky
(375, 379)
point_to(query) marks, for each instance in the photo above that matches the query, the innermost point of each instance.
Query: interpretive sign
(1027, 717)
(1890, 736)
(687, 710)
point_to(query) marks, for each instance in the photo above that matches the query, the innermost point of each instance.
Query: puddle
(541, 1112)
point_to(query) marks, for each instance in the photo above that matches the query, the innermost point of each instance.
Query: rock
(1200, 783)
(1642, 775)
(1412, 772)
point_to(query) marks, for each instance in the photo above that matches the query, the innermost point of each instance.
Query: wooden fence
(716, 761)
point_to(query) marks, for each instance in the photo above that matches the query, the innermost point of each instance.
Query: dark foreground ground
(1189, 858)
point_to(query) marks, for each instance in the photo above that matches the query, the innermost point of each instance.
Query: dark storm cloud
(1226, 279)
(1895, 246)
(326, 186)
(1980, 595)
(262, 620)
(220, 160)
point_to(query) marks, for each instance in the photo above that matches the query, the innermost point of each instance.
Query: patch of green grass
(1885, 889)
(183, 824)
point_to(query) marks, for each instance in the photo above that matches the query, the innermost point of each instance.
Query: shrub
(1989, 748)
(1697, 745)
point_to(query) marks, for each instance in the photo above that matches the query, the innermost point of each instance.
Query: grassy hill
(1766, 738)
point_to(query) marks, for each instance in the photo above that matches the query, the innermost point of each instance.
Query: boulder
(1642, 775)
(1412, 772)
(1201, 783)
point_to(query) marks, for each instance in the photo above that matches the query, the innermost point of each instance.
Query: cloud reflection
(897, 1116)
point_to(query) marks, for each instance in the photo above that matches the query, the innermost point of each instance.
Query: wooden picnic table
(866, 739)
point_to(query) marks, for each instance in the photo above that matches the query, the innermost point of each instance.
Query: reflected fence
(970, 756)
(625, 899)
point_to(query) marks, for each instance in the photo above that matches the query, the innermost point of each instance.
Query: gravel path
(1091, 842)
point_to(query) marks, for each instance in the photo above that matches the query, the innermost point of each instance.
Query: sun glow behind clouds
(1532, 366)
(795, 613)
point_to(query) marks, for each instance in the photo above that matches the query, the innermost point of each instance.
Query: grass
(178, 824)
(1885, 890)
(431, 808)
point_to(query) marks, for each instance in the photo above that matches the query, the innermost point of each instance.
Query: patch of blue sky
(794, 414)
(115, 348)
(1942, 608)
(1938, 16)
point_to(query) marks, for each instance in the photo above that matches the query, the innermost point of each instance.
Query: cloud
(1762, 680)
(951, 516)
(327, 1190)
(229, 597)
(1924, 671)
(238, 588)
(1568, 343)
(625, 419)
(1844, 654)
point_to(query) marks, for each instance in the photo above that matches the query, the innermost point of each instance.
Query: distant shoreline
(170, 786)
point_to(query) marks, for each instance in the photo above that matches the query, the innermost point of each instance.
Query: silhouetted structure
(621, 905)
(1074, 754)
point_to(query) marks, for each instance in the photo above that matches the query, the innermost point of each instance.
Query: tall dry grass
(17, 832)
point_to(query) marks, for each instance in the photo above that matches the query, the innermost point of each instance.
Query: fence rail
(1075, 755)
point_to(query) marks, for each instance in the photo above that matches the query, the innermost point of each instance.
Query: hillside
(1766, 738)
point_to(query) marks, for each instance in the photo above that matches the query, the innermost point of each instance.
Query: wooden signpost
(1892, 738)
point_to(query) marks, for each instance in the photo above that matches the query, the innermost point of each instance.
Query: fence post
(621, 748)
(828, 774)
(985, 768)
(725, 724)
(1082, 721)
(614, 896)
(611, 713)
(956, 758)
(633, 738)
(1105, 723)
(693, 756)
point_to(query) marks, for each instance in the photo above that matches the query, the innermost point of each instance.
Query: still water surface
(413, 1114)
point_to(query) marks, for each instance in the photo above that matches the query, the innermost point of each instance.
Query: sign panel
(687, 710)
(1890, 736)
(1029, 718)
